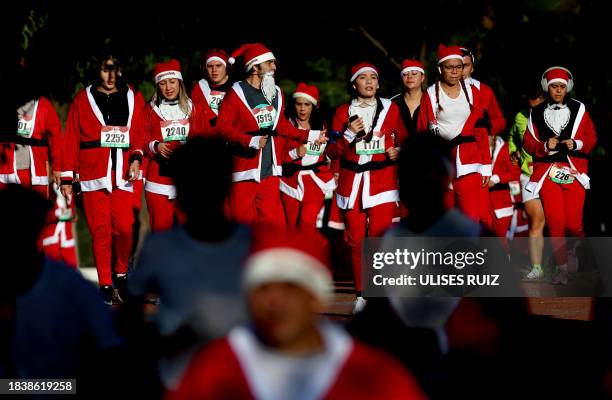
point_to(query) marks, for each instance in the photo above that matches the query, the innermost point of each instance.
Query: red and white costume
(57, 236)
(455, 122)
(40, 129)
(167, 123)
(367, 190)
(251, 199)
(559, 177)
(107, 194)
(303, 192)
(501, 204)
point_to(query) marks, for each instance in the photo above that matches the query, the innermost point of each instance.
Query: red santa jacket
(579, 128)
(93, 163)
(500, 199)
(236, 120)
(228, 369)
(314, 164)
(471, 154)
(162, 183)
(45, 144)
(490, 104)
(203, 97)
(378, 174)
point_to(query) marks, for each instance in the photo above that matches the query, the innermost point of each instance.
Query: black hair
(104, 54)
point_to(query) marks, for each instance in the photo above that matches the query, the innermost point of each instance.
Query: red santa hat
(449, 53)
(557, 75)
(292, 258)
(215, 55)
(253, 54)
(361, 68)
(412, 65)
(167, 70)
(310, 93)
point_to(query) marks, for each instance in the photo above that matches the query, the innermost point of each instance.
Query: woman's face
(366, 84)
(303, 109)
(109, 72)
(557, 92)
(169, 88)
(412, 79)
(451, 71)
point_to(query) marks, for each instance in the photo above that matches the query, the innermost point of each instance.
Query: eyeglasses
(450, 68)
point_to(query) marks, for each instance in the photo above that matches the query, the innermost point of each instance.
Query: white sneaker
(360, 303)
(536, 273)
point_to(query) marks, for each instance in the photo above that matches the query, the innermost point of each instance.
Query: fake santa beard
(268, 86)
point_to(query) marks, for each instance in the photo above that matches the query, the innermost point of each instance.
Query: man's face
(412, 79)
(451, 71)
(468, 67)
(557, 92)
(267, 66)
(216, 72)
(109, 72)
(170, 88)
(366, 84)
(282, 312)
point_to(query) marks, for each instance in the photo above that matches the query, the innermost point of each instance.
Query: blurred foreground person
(288, 352)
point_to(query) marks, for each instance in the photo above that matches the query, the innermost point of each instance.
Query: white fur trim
(579, 144)
(254, 143)
(486, 170)
(286, 264)
(504, 212)
(153, 146)
(215, 58)
(305, 96)
(161, 189)
(557, 80)
(336, 225)
(408, 69)
(168, 75)
(67, 174)
(231, 60)
(450, 57)
(495, 179)
(258, 60)
(361, 71)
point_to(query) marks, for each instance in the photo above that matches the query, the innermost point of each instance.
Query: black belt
(457, 140)
(263, 132)
(289, 169)
(24, 141)
(561, 157)
(499, 186)
(369, 166)
(90, 145)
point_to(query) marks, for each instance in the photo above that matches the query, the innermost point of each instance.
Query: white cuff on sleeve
(349, 136)
(153, 146)
(486, 170)
(67, 174)
(313, 135)
(254, 143)
(495, 179)
(579, 145)
(293, 154)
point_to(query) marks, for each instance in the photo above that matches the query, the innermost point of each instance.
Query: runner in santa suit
(493, 122)
(103, 144)
(306, 181)
(560, 135)
(30, 154)
(367, 190)
(409, 102)
(288, 352)
(210, 90)
(450, 110)
(169, 120)
(57, 235)
(252, 121)
(501, 204)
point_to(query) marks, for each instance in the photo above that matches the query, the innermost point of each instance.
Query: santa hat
(412, 65)
(253, 54)
(557, 75)
(215, 55)
(167, 70)
(291, 258)
(310, 93)
(466, 52)
(449, 53)
(361, 68)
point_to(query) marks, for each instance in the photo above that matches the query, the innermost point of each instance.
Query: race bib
(216, 98)
(313, 149)
(562, 175)
(25, 126)
(176, 130)
(375, 146)
(265, 115)
(115, 136)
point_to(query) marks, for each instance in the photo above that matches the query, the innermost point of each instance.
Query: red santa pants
(563, 206)
(487, 219)
(162, 212)
(110, 219)
(467, 195)
(25, 177)
(304, 212)
(250, 202)
(361, 222)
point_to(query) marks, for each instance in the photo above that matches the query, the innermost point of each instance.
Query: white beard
(268, 86)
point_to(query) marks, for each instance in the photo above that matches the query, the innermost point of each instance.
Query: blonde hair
(183, 98)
